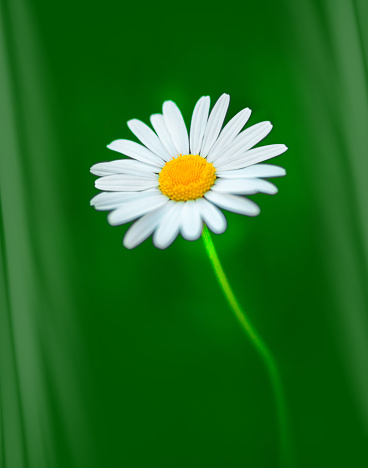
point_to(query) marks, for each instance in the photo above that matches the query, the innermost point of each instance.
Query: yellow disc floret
(186, 177)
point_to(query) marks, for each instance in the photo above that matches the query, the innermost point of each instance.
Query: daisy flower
(175, 182)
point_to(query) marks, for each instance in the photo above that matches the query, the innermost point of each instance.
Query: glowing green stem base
(285, 455)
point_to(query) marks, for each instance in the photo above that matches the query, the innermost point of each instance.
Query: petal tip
(255, 213)
(111, 145)
(110, 219)
(169, 102)
(158, 245)
(128, 245)
(93, 169)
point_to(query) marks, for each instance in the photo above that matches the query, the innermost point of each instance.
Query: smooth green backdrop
(129, 359)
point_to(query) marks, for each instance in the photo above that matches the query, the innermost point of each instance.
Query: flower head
(174, 181)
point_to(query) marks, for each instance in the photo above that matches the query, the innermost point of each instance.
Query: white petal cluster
(131, 187)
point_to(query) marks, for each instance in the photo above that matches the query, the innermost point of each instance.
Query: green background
(117, 358)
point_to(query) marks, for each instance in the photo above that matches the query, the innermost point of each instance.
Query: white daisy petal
(212, 216)
(233, 203)
(149, 138)
(105, 197)
(158, 123)
(198, 124)
(244, 141)
(238, 186)
(136, 208)
(144, 227)
(245, 186)
(110, 200)
(254, 156)
(264, 186)
(125, 183)
(214, 124)
(191, 221)
(136, 151)
(257, 170)
(229, 133)
(124, 166)
(169, 226)
(176, 126)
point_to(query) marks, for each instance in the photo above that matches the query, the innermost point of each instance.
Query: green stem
(285, 453)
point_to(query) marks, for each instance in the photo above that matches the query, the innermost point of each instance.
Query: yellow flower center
(186, 177)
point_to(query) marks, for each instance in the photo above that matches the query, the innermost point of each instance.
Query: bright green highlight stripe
(285, 446)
